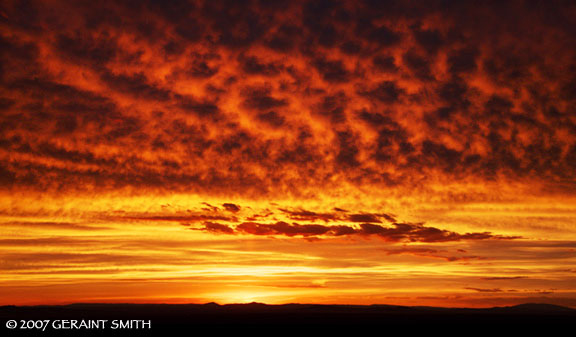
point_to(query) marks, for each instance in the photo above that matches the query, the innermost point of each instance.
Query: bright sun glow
(243, 297)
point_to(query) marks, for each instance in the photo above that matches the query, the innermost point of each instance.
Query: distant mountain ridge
(290, 307)
(174, 317)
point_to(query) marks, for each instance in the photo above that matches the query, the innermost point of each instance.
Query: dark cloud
(259, 98)
(333, 107)
(430, 253)
(370, 226)
(201, 108)
(214, 227)
(364, 218)
(87, 49)
(387, 217)
(378, 120)
(233, 24)
(177, 218)
(382, 35)
(190, 30)
(137, 86)
(385, 63)
(351, 47)
(52, 151)
(283, 228)
(332, 71)
(485, 290)
(440, 154)
(498, 106)
(429, 40)
(419, 233)
(419, 65)
(272, 118)
(15, 51)
(347, 150)
(284, 37)
(309, 215)
(231, 207)
(319, 17)
(462, 61)
(500, 278)
(385, 92)
(252, 65)
(505, 68)
(340, 230)
(7, 176)
(201, 69)
(454, 94)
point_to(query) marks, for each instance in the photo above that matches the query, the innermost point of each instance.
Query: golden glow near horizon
(311, 152)
(186, 252)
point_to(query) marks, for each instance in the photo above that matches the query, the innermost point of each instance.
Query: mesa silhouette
(175, 316)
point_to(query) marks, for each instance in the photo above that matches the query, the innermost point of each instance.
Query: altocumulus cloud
(267, 98)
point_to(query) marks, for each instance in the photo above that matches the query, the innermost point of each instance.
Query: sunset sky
(347, 152)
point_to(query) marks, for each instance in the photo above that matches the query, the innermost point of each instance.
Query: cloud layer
(259, 98)
(396, 232)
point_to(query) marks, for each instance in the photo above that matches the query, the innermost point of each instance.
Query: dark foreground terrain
(171, 319)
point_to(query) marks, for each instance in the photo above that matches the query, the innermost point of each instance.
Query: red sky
(396, 152)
